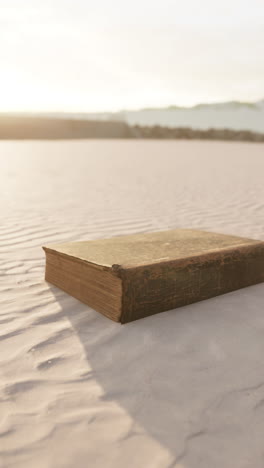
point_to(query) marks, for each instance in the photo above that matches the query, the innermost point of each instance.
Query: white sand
(180, 389)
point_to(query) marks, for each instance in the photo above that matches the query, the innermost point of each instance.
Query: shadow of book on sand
(190, 378)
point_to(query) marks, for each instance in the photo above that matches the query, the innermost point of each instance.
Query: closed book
(130, 277)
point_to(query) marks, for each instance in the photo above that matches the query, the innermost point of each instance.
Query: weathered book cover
(130, 277)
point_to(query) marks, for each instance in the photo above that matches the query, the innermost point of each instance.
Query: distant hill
(231, 115)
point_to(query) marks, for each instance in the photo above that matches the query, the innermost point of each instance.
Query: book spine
(155, 288)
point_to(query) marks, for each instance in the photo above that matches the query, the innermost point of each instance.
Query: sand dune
(180, 389)
(54, 127)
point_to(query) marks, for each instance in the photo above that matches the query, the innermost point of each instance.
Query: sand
(180, 389)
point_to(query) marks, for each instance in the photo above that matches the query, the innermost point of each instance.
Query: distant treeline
(53, 128)
(191, 134)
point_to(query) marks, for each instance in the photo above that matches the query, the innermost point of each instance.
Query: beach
(184, 388)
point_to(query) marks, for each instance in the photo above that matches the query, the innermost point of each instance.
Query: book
(130, 277)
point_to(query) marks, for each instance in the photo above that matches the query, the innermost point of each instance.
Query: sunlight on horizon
(77, 56)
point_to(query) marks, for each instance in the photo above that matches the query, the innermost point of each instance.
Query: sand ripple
(180, 389)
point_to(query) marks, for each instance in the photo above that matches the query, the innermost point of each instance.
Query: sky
(108, 55)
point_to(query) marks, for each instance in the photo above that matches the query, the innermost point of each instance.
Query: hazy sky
(83, 55)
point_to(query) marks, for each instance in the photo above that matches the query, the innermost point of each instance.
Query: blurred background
(138, 69)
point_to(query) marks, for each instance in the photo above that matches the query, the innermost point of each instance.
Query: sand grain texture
(183, 388)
